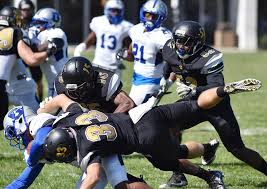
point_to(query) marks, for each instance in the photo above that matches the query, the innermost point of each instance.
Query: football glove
(184, 91)
(165, 84)
(122, 54)
(79, 49)
(54, 45)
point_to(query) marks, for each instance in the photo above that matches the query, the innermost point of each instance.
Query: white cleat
(245, 85)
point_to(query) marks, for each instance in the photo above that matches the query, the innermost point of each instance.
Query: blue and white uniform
(53, 64)
(148, 62)
(109, 38)
(21, 88)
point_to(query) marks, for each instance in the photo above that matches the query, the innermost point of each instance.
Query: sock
(220, 92)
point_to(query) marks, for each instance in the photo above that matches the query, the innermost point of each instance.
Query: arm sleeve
(26, 178)
(37, 151)
(213, 80)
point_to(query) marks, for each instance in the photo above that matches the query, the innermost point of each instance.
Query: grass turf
(250, 110)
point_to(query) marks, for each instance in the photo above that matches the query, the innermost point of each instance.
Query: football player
(23, 128)
(148, 38)
(100, 134)
(13, 47)
(26, 8)
(110, 32)
(93, 87)
(199, 67)
(46, 27)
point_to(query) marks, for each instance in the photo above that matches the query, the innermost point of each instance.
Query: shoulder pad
(39, 121)
(213, 65)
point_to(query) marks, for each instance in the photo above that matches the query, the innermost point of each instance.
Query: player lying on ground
(95, 135)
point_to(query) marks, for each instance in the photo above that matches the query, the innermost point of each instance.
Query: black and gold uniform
(99, 134)
(107, 88)
(9, 38)
(201, 67)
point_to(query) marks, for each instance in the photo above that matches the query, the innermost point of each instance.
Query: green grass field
(250, 110)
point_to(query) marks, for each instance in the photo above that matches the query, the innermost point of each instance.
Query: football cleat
(210, 155)
(177, 180)
(245, 85)
(216, 180)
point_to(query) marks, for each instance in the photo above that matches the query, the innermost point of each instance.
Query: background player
(110, 32)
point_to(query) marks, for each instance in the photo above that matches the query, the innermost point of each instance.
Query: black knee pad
(183, 151)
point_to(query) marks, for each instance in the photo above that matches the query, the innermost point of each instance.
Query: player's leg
(29, 99)
(117, 176)
(3, 102)
(37, 77)
(225, 123)
(141, 93)
(213, 96)
(213, 178)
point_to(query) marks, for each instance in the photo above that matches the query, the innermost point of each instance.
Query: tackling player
(110, 32)
(100, 134)
(199, 67)
(13, 47)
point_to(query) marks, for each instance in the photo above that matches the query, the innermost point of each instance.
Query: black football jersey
(99, 134)
(9, 38)
(107, 88)
(202, 70)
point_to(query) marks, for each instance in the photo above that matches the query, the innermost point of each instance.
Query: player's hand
(165, 84)
(79, 49)
(47, 99)
(184, 91)
(54, 45)
(122, 54)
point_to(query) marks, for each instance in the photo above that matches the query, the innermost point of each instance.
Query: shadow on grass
(262, 185)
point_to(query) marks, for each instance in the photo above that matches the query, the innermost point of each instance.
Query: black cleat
(245, 85)
(216, 180)
(210, 155)
(177, 180)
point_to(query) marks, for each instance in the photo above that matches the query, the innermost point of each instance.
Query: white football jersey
(109, 38)
(20, 81)
(148, 62)
(6, 66)
(54, 64)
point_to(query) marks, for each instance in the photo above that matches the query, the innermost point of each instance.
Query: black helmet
(188, 34)
(10, 16)
(60, 146)
(79, 78)
(26, 4)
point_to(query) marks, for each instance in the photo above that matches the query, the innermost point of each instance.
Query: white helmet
(16, 123)
(46, 18)
(114, 5)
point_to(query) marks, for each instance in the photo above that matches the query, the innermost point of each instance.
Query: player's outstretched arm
(92, 177)
(58, 102)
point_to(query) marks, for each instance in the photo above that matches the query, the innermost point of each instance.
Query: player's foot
(177, 180)
(242, 86)
(216, 180)
(210, 154)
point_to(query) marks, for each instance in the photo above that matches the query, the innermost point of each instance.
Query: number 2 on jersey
(136, 49)
(111, 38)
